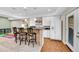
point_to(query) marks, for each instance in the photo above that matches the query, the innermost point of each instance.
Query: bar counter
(38, 32)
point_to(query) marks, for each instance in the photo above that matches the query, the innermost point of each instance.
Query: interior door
(71, 30)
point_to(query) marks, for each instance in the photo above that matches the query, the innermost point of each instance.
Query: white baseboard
(64, 42)
(70, 47)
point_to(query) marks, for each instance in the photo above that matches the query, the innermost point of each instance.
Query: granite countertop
(41, 27)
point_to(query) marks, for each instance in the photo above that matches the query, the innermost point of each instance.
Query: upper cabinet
(46, 21)
(38, 21)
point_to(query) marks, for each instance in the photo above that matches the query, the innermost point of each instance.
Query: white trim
(63, 41)
(69, 45)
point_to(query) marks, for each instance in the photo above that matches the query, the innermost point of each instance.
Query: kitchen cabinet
(46, 24)
(54, 23)
(55, 28)
(46, 21)
(37, 22)
(46, 33)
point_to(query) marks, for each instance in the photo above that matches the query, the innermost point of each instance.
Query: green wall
(4, 23)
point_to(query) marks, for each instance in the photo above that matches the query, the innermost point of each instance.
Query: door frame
(61, 29)
(67, 31)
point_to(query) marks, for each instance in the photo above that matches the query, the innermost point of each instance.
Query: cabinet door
(55, 28)
(48, 33)
(52, 28)
(46, 21)
(45, 33)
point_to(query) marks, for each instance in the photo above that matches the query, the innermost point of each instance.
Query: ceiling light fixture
(49, 9)
(25, 7)
(26, 20)
(35, 19)
(22, 25)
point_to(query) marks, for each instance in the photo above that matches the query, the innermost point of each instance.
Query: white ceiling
(21, 12)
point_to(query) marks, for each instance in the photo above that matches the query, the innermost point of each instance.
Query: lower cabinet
(46, 33)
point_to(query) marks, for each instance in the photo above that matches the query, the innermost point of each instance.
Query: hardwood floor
(54, 46)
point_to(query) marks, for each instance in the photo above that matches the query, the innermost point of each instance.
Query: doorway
(61, 30)
(70, 30)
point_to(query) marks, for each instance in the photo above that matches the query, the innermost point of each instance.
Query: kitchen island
(39, 35)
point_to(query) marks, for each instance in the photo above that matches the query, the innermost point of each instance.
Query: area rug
(9, 45)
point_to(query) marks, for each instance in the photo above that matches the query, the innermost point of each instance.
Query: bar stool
(15, 33)
(31, 36)
(22, 35)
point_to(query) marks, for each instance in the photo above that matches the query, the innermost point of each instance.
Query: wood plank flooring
(54, 46)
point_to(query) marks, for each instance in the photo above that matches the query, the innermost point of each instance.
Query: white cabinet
(17, 24)
(55, 28)
(46, 22)
(52, 28)
(46, 33)
(32, 23)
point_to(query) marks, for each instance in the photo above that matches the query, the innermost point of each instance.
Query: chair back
(21, 30)
(14, 30)
(29, 30)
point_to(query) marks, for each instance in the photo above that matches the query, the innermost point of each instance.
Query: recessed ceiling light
(22, 25)
(25, 7)
(35, 19)
(26, 20)
(49, 9)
